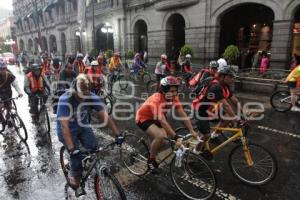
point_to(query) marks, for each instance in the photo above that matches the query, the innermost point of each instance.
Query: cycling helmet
(79, 55)
(167, 82)
(2, 64)
(227, 71)
(36, 66)
(188, 56)
(163, 56)
(117, 54)
(213, 64)
(136, 55)
(94, 63)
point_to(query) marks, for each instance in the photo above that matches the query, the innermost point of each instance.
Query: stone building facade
(161, 26)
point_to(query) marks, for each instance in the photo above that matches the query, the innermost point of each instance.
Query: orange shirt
(155, 107)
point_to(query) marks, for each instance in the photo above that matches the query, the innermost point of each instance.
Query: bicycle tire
(276, 103)
(14, 105)
(146, 77)
(151, 87)
(106, 182)
(19, 124)
(194, 179)
(236, 157)
(109, 104)
(63, 157)
(134, 154)
(46, 117)
(123, 82)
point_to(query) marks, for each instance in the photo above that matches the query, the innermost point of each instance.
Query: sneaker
(295, 109)
(153, 165)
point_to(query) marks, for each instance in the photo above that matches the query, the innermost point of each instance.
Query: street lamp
(107, 28)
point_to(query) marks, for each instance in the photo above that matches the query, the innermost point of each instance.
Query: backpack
(195, 79)
(202, 84)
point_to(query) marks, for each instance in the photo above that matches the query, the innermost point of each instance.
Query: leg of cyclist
(203, 125)
(88, 139)
(33, 103)
(294, 98)
(8, 107)
(75, 160)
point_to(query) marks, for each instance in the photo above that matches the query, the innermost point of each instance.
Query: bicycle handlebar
(13, 98)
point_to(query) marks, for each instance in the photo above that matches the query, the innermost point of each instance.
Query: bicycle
(246, 160)
(97, 181)
(145, 75)
(281, 100)
(117, 78)
(190, 174)
(43, 113)
(15, 119)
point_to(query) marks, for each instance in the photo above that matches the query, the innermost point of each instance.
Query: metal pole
(39, 29)
(93, 34)
(107, 37)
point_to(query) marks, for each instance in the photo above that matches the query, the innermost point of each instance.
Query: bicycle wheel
(107, 186)
(64, 161)
(123, 82)
(19, 127)
(264, 166)
(14, 105)
(134, 153)
(194, 178)
(281, 101)
(151, 87)
(45, 120)
(146, 77)
(109, 104)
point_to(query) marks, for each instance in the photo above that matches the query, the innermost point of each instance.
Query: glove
(119, 139)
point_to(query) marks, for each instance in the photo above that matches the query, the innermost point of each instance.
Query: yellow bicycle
(251, 163)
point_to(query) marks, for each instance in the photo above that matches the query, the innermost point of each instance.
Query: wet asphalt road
(32, 171)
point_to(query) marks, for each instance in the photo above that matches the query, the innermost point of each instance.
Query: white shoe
(214, 135)
(295, 109)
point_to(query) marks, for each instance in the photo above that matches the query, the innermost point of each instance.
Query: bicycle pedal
(80, 192)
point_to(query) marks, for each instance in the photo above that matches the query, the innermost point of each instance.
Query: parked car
(9, 58)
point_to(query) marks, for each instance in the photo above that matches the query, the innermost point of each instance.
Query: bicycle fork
(247, 153)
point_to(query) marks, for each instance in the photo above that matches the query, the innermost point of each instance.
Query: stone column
(281, 44)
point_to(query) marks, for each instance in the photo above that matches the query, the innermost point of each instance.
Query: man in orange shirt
(151, 118)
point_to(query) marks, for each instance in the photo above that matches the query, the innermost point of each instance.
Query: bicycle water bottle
(178, 159)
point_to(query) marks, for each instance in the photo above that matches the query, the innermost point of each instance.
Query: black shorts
(203, 123)
(292, 84)
(146, 124)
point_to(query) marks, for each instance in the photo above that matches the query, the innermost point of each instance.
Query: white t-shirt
(160, 68)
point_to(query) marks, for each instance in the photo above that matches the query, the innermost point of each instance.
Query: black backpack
(203, 83)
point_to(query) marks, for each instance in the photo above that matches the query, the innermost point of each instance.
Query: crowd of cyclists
(81, 78)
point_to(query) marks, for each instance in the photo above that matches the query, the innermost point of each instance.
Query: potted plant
(231, 55)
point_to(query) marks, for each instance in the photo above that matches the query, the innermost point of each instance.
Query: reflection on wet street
(31, 170)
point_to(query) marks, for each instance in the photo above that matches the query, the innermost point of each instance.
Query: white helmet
(163, 56)
(188, 56)
(94, 63)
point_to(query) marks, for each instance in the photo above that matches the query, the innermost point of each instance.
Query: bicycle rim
(64, 161)
(194, 179)
(146, 77)
(281, 101)
(20, 127)
(107, 187)
(263, 170)
(134, 153)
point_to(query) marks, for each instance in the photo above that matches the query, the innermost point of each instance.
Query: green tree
(231, 54)
(186, 50)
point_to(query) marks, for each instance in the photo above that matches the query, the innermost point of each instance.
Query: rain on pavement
(32, 171)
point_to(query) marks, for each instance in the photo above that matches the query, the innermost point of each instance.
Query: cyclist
(67, 75)
(137, 65)
(187, 68)
(73, 127)
(78, 64)
(205, 73)
(214, 98)
(115, 66)
(56, 65)
(151, 118)
(7, 79)
(293, 82)
(46, 65)
(35, 84)
(162, 68)
(95, 73)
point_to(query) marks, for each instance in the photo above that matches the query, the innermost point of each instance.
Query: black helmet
(213, 64)
(227, 71)
(36, 66)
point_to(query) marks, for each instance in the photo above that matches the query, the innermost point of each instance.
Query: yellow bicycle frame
(237, 134)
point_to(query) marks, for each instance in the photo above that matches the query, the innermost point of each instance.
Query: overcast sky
(7, 4)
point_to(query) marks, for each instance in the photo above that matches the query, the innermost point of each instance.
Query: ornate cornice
(171, 4)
